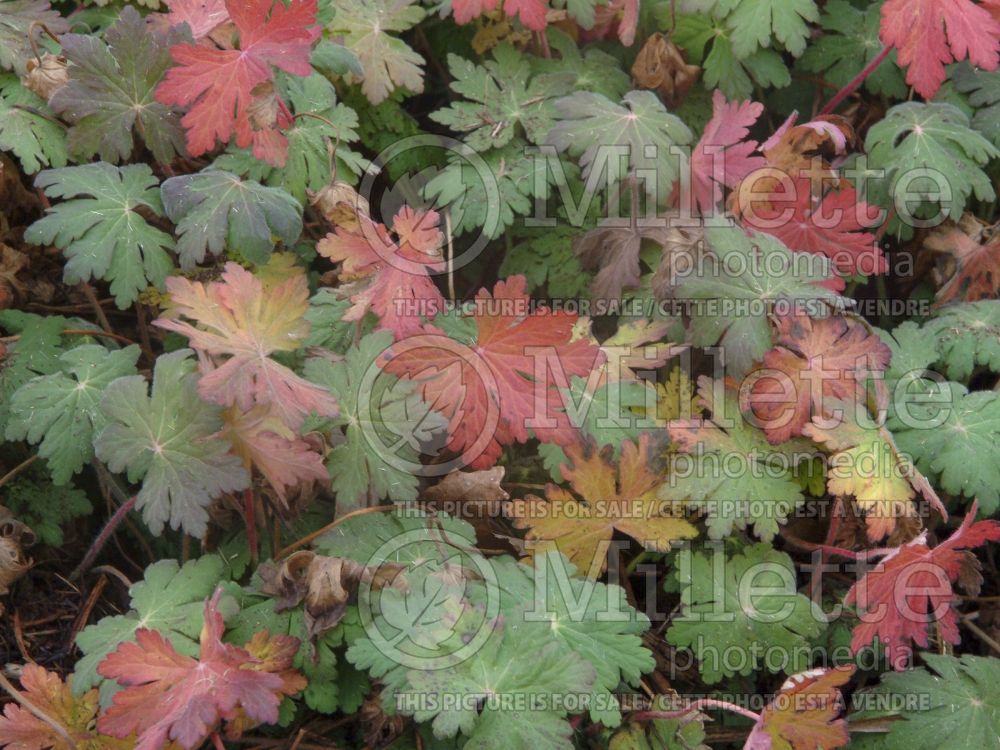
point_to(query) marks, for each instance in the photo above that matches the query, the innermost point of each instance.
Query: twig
(330, 526)
(99, 334)
(39, 713)
(696, 706)
(451, 255)
(18, 469)
(983, 635)
(250, 517)
(217, 741)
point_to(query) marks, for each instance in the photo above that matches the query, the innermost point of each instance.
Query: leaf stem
(250, 517)
(109, 528)
(18, 469)
(856, 81)
(330, 526)
(696, 706)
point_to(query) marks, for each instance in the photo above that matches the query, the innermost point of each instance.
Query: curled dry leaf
(46, 74)
(976, 251)
(326, 584)
(661, 66)
(341, 205)
(14, 538)
(12, 262)
(474, 496)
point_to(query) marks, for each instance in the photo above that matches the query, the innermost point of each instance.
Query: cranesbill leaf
(241, 325)
(201, 16)
(929, 34)
(170, 696)
(393, 275)
(170, 599)
(101, 231)
(850, 43)
(500, 94)
(804, 713)
(758, 486)
(580, 526)
(60, 410)
(168, 440)
(110, 92)
(36, 352)
(530, 12)
(983, 89)
(937, 137)
(381, 426)
(216, 210)
(757, 23)
(953, 702)
(36, 141)
(221, 85)
(590, 124)
(720, 615)
(865, 464)
(956, 441)
(325, 123)
(722, 156)
(898, 613)
(485, 385)
(16, 17)
(977, 275)
(264, 442)
(387, 61)
(812, 360)
(20, 729)
(968, 337)
(744, 277)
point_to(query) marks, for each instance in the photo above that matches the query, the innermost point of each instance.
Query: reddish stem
(217, 741)
(250, 517)
(857, 81)
(109, 528)
(696, 706)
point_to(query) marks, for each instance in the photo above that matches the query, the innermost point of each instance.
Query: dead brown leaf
(14, 538)
(340, 204)
(660, 66)
(46, 74)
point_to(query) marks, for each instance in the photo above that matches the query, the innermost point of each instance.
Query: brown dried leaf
(660, 66)
(326, 584)
(14, 538)
(45, 75)
(340, 204)
(975, 248)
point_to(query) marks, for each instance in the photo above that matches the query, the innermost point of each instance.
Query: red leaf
(911, 588)
(722, 157)
(487, 390)
(22, 730)
(803, 715)
(241, 319)
(201, 16)
(398, 289)
(929, 34)
(220, 83)
(169, 696)
(835, 226)
(531, 12)
(811, 361)
(978, 273)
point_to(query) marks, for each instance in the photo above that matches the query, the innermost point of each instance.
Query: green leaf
(387, 61)
(486, 196)
(310, 139)
(968, 336)
(640, 126)
(757, 485)
(335, 59)
(383, 420)
(500, 95)
(728, 624)
(111, 90)
(45, 507)
(103, 234)
(215, 210)
(983, 88)
(755, 24)
(734, 292)
(952, 703)
(36, 352)
(931, 136)
(168, 441)
(327, 327)
(956, 441)
(60, 411)
(851, 42)
(722, 69)
(170, 599)
(16, 17)
(593, 69)
(27, 128)
(545, 257)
